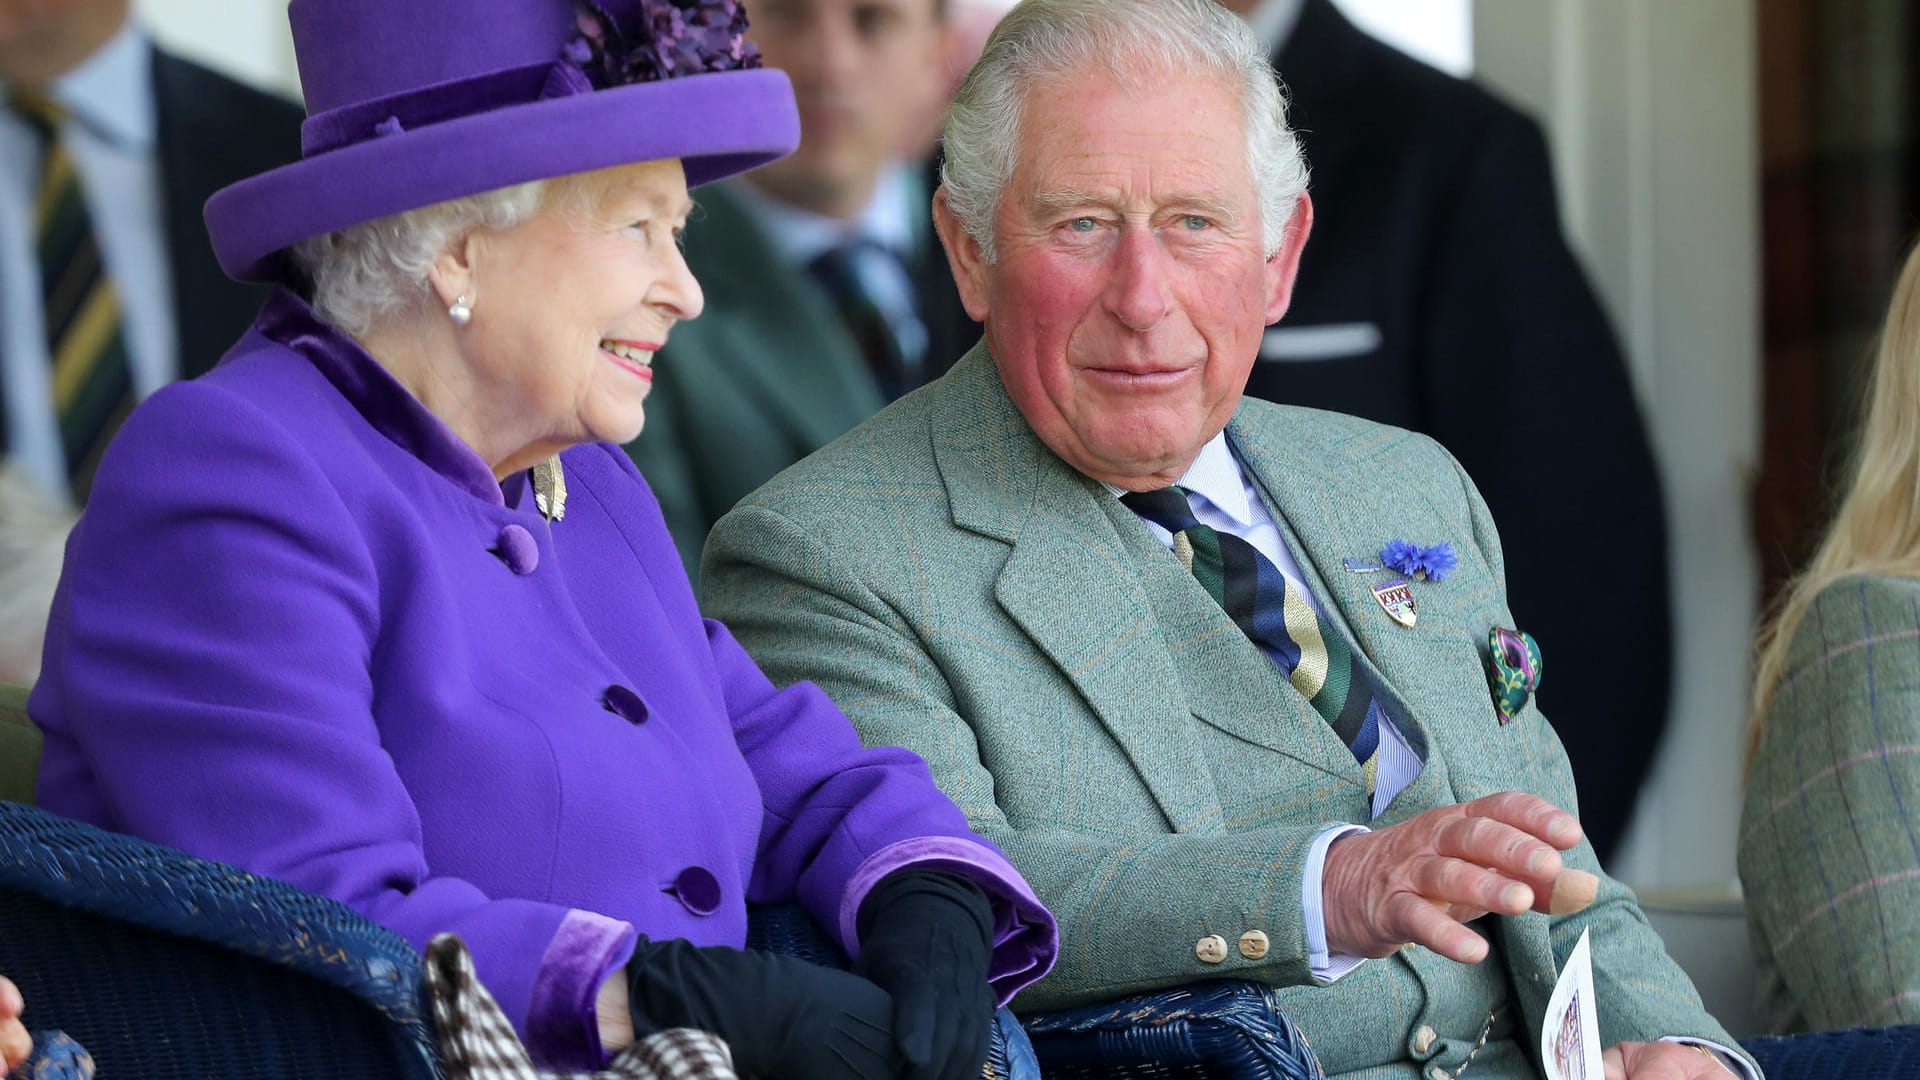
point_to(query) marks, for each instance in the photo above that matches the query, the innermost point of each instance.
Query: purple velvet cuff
(1025, 939)
(563, 1028)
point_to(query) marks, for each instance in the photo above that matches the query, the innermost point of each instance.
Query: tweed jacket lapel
(1069, 583)
(771, 331)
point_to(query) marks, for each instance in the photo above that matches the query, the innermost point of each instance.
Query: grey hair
(1135, 42)
(365, 273)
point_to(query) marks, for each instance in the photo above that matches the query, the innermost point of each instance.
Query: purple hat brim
(718, 124)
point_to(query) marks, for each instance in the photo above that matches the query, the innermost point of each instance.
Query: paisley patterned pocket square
(1513, 670)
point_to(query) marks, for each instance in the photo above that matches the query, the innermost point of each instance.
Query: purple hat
(414, 102)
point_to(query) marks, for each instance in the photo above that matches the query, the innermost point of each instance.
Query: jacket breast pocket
(1319, 343)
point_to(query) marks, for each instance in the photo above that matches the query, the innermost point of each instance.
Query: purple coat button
(517, 548)
(697, 890)
(626, 702)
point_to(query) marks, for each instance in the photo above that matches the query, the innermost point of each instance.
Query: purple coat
(302, 629)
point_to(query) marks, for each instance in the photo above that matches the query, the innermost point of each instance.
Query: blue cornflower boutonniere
(1420, 563)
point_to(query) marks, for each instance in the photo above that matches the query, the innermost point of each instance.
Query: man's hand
(1422, 880)
(1663, 1061)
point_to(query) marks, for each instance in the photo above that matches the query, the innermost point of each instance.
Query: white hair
(365, 273)
(1137, 43)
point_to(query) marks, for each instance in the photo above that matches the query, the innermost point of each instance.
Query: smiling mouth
(635, 356)
(1130, 377)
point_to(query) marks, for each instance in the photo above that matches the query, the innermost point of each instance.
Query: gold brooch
(550, 489)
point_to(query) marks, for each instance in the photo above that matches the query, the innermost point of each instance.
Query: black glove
(780, 1016)
(926, 937)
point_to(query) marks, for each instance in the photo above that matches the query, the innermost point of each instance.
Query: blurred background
(1736, 177)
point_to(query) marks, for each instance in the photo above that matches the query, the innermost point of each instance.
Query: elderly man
(1138, 626)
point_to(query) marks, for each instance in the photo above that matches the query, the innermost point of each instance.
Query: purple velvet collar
(380, 399)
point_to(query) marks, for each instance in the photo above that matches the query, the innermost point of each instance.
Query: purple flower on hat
(623, 42)
(1431, 563)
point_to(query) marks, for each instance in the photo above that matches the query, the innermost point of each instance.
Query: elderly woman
(1829, 842)
(375, 608)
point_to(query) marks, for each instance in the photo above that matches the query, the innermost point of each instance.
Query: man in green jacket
(826, 292)
(1214, 673)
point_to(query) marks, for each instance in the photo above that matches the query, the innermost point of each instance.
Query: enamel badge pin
(1396, 598)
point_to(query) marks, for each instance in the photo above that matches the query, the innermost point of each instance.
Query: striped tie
(891, 339)
(1254, 593)
(92, 384)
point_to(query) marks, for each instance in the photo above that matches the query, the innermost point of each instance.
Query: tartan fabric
(92, 382)
(477, 1042)
(1830, 830)
(1840, 140)
(1317, 660)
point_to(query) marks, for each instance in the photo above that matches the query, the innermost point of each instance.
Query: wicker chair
(1231, 1031)
(1226, 1029)
(1890, 1053)
(164, 965)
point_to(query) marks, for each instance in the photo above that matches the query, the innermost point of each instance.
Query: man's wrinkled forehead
(1071, 153)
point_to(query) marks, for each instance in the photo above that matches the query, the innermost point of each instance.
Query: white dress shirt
(1226, 499)
(111, 134)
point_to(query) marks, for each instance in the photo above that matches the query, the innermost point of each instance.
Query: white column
(1652, 110)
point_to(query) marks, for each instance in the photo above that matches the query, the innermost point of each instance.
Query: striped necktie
(1316, 659)
(92, 384)
(860, 276)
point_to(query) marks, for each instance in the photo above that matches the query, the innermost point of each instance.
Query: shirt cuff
(1731, 1060)
(1325, 968)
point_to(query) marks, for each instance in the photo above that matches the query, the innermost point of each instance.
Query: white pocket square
(1328, 341)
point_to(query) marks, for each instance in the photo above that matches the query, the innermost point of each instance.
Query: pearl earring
(461, 312)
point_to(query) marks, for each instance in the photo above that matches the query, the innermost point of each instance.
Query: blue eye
(1195, 222)
(1085, 224)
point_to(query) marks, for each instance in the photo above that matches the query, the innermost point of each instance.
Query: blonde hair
(1877, 528)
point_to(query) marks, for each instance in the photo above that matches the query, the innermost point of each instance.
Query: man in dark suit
(1439, 295)
(108, 287)
(826, 290)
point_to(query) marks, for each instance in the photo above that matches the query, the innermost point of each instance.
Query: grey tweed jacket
(1829, 849)
(960, 591)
